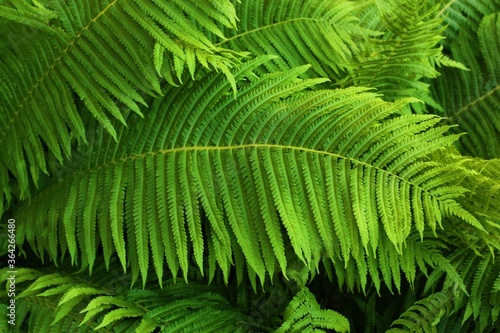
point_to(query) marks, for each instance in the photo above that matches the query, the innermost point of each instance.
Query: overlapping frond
(109, 53)
(462, 17)
(482, 176)
(321, 33)
(475, 258)
(399, 62)
(205, 175)
(479, 273)
(425, 314)
(72, 302)
(391, 269)
(304, 314)
(252, 172)
(471, 99)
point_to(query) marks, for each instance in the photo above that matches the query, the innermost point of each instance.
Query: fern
(304, 314)
(462, 17)
(471, 99)
(392, 270)
(229, 159)
(74, 51)
(482, 304)
(321, 33)
(398, 63)
(72, 302)
(481, 176)
(475, 260)
(148, 141)
(425, 314)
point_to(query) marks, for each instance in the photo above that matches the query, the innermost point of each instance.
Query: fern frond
(398, 63)
(484, 277)
(480, 274)
(390, 268)
(304, 314)
(321, 33)
(479, 270)
(425, 314)
(471, 99)
(105, 52)
(462, 17)
(35, 15)
(73, 302)
(38, 313)
(482, 176)
(329, 171)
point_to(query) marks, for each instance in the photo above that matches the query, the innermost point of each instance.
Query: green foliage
(471, 98)
(318, 32)
(303, 166)
(425, 314)
(408, 47)
(73, 302)
(222, 155)
(108, 53)
(462, 17)
(304, 314)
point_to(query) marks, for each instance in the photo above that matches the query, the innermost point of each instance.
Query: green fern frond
(479, 271)
(321, 33)
(105, 52)
(462, 17)
(73, 302)
(398, 63)
(142, 144)
(34, 15)
(482, 176)
(471, 99)
(304, 314)
(37, 313)
(480, 274)
(325, 170)
(390, 268)
(425, 314)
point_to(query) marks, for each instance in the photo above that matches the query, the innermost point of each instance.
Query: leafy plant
(303, 166)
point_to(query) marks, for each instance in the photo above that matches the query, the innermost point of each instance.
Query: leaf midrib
(241, 146)
(448, 5)
(29, 95)
(394, 50)
(469, 106)
(268, 26)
